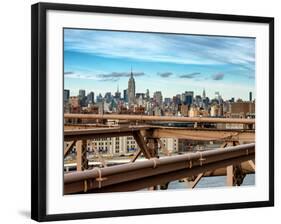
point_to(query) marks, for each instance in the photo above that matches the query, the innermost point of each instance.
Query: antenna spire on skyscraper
(131, 89)
(131, 72)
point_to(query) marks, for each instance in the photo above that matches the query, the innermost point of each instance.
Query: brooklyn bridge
(153, 165)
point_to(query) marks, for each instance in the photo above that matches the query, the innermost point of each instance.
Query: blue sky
(99, 61)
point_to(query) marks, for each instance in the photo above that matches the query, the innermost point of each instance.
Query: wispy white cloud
(179, 49)
(113, 76)
(79, 75)
(120, 74)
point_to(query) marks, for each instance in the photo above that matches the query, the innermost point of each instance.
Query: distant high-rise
(82, 93)
(125, 93)
(140, 98)
(91, 98)
(218, 97)
(147, 94)
(108, 96)
(188, 97)
(204, 94)
(99, 98)
(158, 98)
(131, 90)
(66, 94)
(250, 96)
(140, 95)
(198, 100)
(177, 99)
(82, 97)
(117, 94)
(167, 101)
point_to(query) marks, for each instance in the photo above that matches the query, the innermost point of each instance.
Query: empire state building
(131, 90)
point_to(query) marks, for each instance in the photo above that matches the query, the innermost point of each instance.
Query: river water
(207, 182)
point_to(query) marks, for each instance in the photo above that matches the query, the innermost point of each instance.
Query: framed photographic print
(139, 111)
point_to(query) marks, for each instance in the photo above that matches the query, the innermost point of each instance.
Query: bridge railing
(138, 175)
(161, 118)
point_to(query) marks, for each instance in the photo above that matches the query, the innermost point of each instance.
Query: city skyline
(99, 61)
(249, 97)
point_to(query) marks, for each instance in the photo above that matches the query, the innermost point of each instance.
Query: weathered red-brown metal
(161, 132)
(160, 118)
(101, 177)
(164, 178)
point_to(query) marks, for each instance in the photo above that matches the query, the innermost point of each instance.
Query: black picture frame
(38, 110)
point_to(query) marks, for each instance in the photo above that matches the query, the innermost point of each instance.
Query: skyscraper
(218, 97)
(250, 96)
(66, 94)
(82, 93)
(125, 93)
(91, 98)
(108, 97)
(131, 90)
(117, 94)
(198, 100)
(99, 98)
(147, 94)
(82, 97)
(188, 97)
(204, 94)
(158, 98)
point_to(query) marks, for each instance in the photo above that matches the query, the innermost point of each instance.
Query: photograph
(155, 111)
(145, 111)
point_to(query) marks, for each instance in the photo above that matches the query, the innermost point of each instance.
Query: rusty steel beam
(204, 134)
(68, 148)
(141, 143)
(92, 133)
(161, 179)
(192, 184)
(246, 166)
(160, 118)
(152, 145)
(136, 155)
(216, 154)
(102, 177)
(229, 176)
(81, 155)
(252, 164)
(230, 168)
(234, 174)
(160, 132)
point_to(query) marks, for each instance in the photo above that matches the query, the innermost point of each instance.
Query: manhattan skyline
(99, 61)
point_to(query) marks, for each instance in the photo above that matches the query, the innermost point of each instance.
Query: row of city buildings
(130, 102)
(184, 104)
